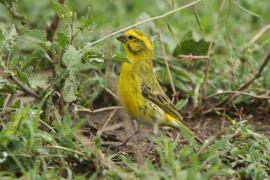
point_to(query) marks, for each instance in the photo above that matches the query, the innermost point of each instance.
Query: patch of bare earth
(115, 127)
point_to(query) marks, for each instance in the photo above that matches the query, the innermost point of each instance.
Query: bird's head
(136, 43)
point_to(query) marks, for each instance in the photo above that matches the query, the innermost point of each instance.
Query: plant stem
(139, 23)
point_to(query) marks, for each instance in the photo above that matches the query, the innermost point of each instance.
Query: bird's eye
(131, 37)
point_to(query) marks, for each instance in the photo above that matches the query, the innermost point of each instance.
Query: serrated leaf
(72, 58)
(70, 88)
(9, 34)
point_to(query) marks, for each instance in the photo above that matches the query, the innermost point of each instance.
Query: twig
(141, 22)
(98, 110)
(245, 85)
(22, 87)
(106, 122)
(210, 141)
(193, 57)
(110, 92)
(167, 67)
(7, 99)
(258, 35)
(64, 148)
(113, 127)
(236, 93)
(214, 109)
(47, 125)
(246, 10)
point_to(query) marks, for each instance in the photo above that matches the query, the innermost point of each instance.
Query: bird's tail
(179, 124)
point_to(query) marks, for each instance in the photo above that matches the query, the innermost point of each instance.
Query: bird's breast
(130, 95)
(129, 90)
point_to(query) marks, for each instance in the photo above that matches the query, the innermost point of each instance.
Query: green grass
(246, 157)
(41, 139)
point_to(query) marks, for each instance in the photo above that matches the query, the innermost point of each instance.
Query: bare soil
(116, 129)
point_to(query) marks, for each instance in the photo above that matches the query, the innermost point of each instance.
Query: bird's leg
(130, 137)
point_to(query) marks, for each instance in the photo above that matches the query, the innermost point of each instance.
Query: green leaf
(86, 20)
(12, 127)
(191, 44)
(98, 142)
(1, 38)
(36, 34)
(7, 87)
(181, 103)
(58, 8)
(72, 58)
(70, 4)
(59, 70)
(70, 88)
(63, 11)
(170, 29)
(38, 80)
(9, 34)
(62, 39)
(196, 94)
(120, 58)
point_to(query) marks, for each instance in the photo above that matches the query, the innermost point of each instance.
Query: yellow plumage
(138, 88)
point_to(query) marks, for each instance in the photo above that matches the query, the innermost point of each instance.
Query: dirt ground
(115, 127)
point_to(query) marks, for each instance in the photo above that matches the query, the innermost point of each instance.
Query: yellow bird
(138, 88)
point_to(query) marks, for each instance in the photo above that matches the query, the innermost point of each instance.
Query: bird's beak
(122, 38)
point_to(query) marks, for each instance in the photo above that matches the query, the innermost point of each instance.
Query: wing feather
(160, 99)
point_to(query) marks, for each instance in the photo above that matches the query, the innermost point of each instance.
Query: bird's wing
(158, 97)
